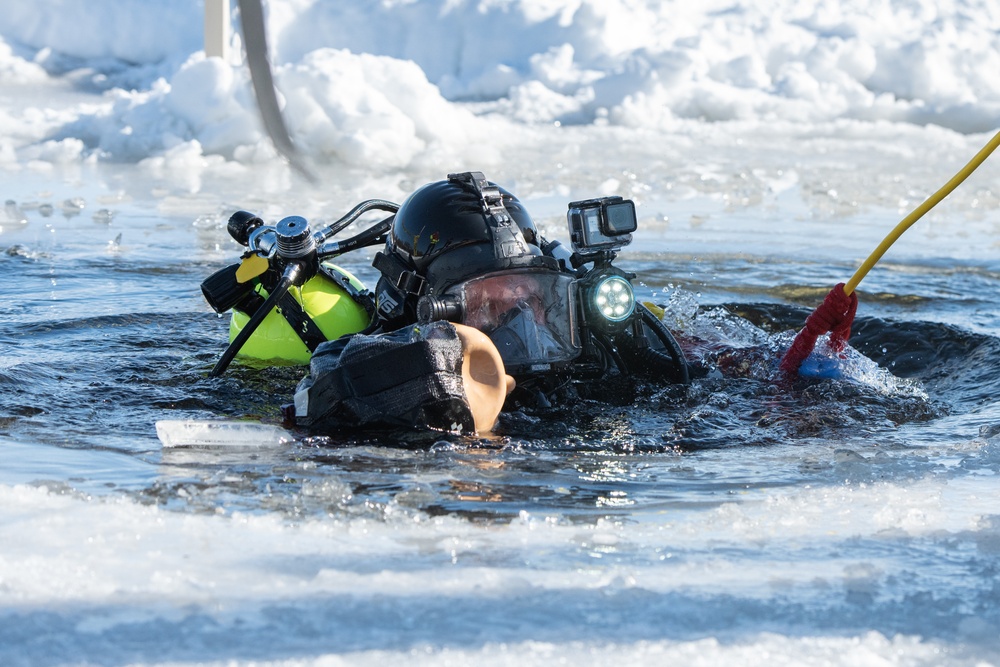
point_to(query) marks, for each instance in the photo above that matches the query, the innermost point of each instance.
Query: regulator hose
(668, 362)
(354, 214)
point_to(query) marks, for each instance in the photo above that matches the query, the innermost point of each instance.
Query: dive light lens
(614, 298)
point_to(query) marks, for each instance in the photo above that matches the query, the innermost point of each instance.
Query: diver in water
(473, 310)
(463, 263)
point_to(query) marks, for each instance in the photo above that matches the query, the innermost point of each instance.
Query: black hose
(354, 214)
(372, 236)
(291, 275)
(668, 362)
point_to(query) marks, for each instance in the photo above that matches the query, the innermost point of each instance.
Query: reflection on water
(107, 334)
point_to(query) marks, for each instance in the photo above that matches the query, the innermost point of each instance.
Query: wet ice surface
(850, 521)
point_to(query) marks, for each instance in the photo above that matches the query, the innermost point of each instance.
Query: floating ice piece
(103, 216)
(72, 207)
(13, 213)
(209, 433)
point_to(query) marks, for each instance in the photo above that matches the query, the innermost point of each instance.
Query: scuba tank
(286, 297)
(287, 335)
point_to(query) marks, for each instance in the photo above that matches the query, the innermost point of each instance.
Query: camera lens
(621, 218)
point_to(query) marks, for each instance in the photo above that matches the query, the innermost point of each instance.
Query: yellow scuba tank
(286, 297)
(330, 299)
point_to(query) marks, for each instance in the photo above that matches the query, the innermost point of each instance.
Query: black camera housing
(606, 223)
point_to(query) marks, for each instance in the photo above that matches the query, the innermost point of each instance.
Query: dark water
(104, 332)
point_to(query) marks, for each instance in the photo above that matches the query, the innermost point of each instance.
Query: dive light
(608, 298)
(613, 298)
(598, 229)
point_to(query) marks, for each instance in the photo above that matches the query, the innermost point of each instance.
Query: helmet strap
(508, 240)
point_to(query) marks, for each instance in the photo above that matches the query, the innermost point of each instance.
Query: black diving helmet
(465, 250)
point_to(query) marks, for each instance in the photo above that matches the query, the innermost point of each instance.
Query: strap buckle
(508, 240)
(409, 282)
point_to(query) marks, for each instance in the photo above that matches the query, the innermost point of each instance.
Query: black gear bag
(411, 377)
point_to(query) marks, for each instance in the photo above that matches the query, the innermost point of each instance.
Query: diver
(474, 310)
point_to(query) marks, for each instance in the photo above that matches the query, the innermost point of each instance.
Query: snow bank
(396, 83)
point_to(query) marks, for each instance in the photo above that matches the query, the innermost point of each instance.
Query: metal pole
(217, 29)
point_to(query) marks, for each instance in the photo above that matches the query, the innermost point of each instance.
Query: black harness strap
(508, 239)
(303, 325)
(361, 297)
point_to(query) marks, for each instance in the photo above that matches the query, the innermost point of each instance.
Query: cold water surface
(854, 519)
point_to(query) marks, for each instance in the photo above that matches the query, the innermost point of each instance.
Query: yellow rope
(919, 211)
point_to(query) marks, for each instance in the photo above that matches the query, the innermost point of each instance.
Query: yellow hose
(919, 211)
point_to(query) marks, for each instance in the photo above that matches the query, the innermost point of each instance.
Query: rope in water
(919, 212)
(836, 314)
